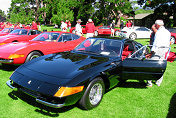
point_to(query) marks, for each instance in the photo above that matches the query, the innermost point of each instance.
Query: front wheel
(32, 55)
(96, 33)
(116, 33)
(93, 94)
(172, 40)
(133, 36)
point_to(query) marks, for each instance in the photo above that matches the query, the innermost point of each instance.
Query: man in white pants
(161, 41)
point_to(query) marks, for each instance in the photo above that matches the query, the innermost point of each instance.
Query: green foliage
(141, 11)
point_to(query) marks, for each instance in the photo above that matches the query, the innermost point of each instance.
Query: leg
(159, 81)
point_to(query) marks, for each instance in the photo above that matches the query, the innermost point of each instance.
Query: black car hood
(60, 68)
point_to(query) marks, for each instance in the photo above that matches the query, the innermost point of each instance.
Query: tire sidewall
(173, 40)
(32, 54)
(84, 102)
(133, 34)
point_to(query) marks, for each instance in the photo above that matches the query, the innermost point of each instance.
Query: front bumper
(39, 99)
(6, 61)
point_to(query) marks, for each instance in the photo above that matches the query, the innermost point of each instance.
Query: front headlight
(2, 43)
(66, 91)
(13, 56)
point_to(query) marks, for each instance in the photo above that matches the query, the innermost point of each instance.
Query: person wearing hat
(63, 26)
(160, 46)
(112, 26)
(78, 28)
(90, 28)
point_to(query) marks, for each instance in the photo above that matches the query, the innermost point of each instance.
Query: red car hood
(3, 38)
(2, 34)
(11, 48)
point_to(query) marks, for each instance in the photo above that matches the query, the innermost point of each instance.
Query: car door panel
(140, 69)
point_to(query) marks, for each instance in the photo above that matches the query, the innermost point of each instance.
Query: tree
(164, 9)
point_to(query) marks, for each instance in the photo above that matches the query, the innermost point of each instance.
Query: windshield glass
(19, 32)
(100, 46)
(7, 30)
(47, 36)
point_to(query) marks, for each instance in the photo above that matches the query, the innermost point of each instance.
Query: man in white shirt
(63, 26)
(160, 45)
(78, 28)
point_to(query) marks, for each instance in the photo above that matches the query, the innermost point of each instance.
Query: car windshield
(47, 36)
(7, 30)
(100, 46)
(19, 32)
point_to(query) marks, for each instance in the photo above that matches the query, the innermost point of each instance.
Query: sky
(4, 5)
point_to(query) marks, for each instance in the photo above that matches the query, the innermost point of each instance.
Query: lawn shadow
(132, 84)
(45, 110)
(172, 107)
(8, 67)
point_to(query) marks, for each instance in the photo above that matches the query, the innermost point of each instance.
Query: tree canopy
(54, 11)
(164, 9)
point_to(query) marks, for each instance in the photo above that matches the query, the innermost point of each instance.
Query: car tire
(116, 33)
(96, 33)
(133, 36)
(93, 94)
(172, 40)
(73, 31)
(32, 55)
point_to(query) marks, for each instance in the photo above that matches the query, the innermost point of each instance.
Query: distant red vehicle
(99, 30)
(72, 30)
(6, 31)
(19, 35)
(45, 43)
(105, 30)
(173, 35)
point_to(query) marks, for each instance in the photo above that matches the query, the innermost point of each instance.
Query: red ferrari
(45, 43)
(99, 30)
(19, 35)
(6, 31)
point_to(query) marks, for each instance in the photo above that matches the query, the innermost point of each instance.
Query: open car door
(138, 67)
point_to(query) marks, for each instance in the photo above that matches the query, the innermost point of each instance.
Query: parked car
(105, 30)
(83, 74)
(6, 31)
(72, 30)
(45, 43)
(19, 35)
(135, 32)
(173, 35)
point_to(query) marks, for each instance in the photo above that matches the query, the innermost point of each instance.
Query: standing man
(90, 28)
(78, 28)
(112, 26)
(160, 44)
(63, 26)
(34, 25)
(121, 25)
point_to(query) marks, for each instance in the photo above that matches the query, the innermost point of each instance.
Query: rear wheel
(93, 94)
(33, 55)
(172, 40)
(133, 36)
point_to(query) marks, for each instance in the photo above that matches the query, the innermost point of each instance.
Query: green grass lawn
(129, 100)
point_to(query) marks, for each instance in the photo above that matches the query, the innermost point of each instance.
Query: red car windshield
(19, 32)
(47, 36)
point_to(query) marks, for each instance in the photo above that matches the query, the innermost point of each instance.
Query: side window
(75, 36)
(32, 32)
(141, 52)
(65, 37)
(23, 32)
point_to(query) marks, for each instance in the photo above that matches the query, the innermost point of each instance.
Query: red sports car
(99, 30)
(6, 31)
(45, 43)
(72, 30)
(173, 35)
(105, 30)
(19, 35)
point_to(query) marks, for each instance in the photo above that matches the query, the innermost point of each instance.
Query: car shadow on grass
(40, 108)
(172, 107)
(132, 84)
(8, 67)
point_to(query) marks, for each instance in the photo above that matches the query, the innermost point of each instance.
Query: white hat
(159, 22)
(113, 21)
(89, 20)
